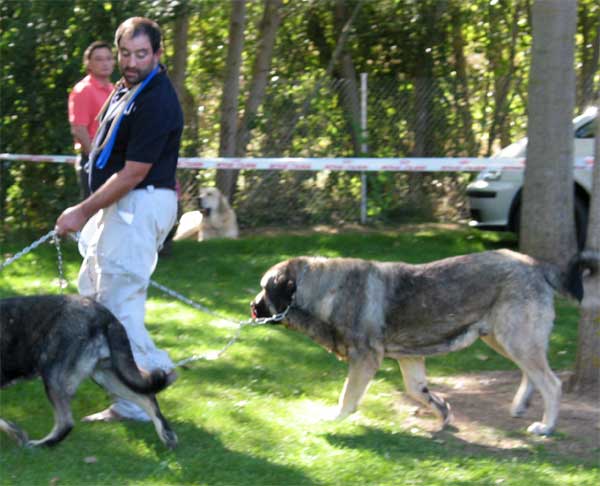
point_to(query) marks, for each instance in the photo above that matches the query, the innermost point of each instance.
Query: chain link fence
(405, 118)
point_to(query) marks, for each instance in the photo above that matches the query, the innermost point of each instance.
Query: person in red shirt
(85, 101)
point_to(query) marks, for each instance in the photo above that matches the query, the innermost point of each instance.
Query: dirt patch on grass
(480, 405)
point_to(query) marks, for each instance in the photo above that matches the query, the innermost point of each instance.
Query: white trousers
(121, 246)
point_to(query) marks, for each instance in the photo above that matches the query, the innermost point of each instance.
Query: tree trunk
(587, 366)
(348, 93)
(425, 84)
(180, 41)
(504, 74)
(423, 104)
(462, 85)
(337, 52)
(547, 229)
(178, 75)
(260, 73)
(260, 79)
(349, 90)
(225, 179)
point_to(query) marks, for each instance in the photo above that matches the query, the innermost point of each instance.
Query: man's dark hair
(87, 55)
(135, 26)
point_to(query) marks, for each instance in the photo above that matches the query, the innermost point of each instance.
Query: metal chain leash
(27, 249)
(211, 355)
(255, 321)
(217, 354)
(62, 281)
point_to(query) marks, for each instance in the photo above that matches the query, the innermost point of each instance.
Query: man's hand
(70, 221)
(81, 136)
(120, 183)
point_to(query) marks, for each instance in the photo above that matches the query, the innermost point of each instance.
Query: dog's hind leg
(60, 399)
(109, 380)
(415, 382)
(361, 370)
(14, 431)
(533, 363)
(61, 380)
(522, 398)
(538, 371)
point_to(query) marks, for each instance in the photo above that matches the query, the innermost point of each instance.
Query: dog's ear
(290, 288)
(281, 289)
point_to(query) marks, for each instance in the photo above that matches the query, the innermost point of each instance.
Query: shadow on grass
(268, 362)
(202, 457)
(437, 457)
(130, 452)
(138, 457)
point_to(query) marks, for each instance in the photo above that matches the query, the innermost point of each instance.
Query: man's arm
(74, 218)
(81, 136)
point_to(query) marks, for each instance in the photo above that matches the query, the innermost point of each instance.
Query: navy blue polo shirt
(150, 132)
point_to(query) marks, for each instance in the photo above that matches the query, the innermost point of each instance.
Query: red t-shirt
(85, 101)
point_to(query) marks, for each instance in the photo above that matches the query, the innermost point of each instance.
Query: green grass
(254, 416)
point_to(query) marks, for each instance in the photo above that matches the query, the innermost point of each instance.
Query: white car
(495, 195)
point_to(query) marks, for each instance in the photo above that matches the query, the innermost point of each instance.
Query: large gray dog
(364, 311)
(64, 339)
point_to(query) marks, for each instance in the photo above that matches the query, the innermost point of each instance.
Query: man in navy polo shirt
(133, 204)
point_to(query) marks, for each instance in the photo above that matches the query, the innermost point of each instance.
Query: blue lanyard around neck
(106, 151)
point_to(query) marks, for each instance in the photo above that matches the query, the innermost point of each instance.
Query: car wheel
(581, 222)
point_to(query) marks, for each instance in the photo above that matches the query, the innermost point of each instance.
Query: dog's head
(211, 200)
(278, 289)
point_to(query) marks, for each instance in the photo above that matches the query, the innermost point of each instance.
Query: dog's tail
(140, 380)
(573, 278)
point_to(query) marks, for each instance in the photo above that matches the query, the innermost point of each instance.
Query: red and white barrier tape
(423, 164)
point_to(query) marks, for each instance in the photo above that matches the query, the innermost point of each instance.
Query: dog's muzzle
(259, 308)
(203, 209)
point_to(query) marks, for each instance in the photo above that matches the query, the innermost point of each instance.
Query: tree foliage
(446, 77)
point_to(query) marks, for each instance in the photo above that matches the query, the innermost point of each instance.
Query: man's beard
(134, 75)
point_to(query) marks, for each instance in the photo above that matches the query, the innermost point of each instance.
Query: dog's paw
(171, 377)
(447, 416)
(519, 407)
(170, 439)
(31, 444)
(441, 408)
(108, 415)
(341, 415)
(518, 411)
(539, 428)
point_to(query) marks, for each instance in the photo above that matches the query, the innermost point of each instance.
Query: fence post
(363, 146)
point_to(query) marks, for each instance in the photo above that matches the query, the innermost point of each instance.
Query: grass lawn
(255, 416)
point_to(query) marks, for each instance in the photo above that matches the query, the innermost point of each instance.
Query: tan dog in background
(214, 219)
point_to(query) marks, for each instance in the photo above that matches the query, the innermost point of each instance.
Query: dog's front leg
(361, 370)
(415, 382)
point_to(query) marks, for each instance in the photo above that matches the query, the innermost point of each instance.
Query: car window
(586, 131)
